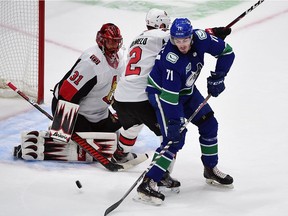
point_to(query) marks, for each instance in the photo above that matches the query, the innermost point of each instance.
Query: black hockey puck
(78, 183)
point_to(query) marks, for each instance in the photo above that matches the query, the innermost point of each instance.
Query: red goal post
(22, 39)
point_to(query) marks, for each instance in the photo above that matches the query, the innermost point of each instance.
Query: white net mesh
(19, 30)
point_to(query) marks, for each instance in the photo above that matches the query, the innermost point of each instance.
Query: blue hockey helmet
(181, 28)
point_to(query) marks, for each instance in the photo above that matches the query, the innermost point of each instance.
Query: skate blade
(131, 163)
(164, 189)
(217, 184)
(147, 200)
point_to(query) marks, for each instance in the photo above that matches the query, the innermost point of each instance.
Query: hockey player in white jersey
(90, 83)
(92, 80)
(130, 99)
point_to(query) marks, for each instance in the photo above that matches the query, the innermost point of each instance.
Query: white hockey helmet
(156, 17)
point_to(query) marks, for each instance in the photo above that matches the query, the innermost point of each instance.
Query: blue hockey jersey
(174, 74)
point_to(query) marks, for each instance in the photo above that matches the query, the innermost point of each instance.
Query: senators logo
(108, 99)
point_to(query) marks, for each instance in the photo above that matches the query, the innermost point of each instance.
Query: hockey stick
(75, 137)
(14, 88)
(115, 205)
(244, 13)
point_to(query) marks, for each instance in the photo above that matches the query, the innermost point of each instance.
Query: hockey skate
(148, 193)
(217, 178)
(167, 182)
(17, 152)
(129, 158)
(122, 157)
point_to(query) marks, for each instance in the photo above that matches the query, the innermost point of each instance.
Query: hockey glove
(215, 85)
(220, 32)
(173, 131)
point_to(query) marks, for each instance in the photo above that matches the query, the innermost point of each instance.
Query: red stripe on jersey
(67, 91)
(126, 141)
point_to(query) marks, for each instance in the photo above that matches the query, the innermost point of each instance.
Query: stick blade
(112, 207)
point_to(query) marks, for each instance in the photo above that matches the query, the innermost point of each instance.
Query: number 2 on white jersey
(135, 56)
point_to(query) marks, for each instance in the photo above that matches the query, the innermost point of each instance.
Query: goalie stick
(115, 205)
(76, 138)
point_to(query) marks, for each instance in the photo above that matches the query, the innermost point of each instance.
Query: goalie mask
(156, 18)
(110, 40)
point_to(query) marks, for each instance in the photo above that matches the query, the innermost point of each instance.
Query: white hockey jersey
(91, 84)
(141, 56)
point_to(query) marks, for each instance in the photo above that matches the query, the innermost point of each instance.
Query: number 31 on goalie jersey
(135, 56)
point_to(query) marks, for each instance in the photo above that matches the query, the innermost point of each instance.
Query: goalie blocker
(39, 145)
(64, 120)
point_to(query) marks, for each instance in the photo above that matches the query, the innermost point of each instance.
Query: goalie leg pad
(32, 145)
(38, 145)
(104, 142)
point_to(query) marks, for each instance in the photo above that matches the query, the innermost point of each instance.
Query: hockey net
(22, 47)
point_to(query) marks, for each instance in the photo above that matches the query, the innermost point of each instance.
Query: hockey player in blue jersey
(172, 92)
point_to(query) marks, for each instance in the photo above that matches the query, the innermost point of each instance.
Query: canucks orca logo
(193, 76)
